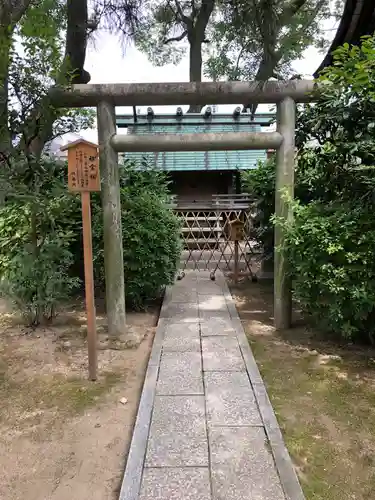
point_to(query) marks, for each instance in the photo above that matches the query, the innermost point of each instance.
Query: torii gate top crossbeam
(145, 94)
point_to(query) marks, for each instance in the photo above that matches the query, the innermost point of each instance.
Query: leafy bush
(260, 183)
(41, 261)
(330, 250)
(37, 286)
(331, 241)
(38, 228)
(151, 235)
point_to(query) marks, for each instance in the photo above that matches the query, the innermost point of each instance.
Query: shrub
(331, 241)
(151, 235)
(41, 255)
(260, 183)
(330, 250)
(37, 286)
(38, 229)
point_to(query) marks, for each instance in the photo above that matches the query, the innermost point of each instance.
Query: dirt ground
(324, 397)
(61, 436)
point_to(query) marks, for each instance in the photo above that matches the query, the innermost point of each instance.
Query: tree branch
(290, 10)
(307, 24)
(265, 71)
(44, 116)
(193, 8)
(16, 12)
(185, 19)
(121, 16)
(238, 61)
(11, 13)
(269, 26)
(177, 38)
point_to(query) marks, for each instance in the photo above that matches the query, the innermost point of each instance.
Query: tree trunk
(195, 69)
(196, 36)
(5, 45)
(76, 41)
(10, 14)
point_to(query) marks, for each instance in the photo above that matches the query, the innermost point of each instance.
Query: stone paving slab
(221, 354)
(177, 311)
(184, 295)
(216, 326)
(180, 373)
(230, 400)
(205, 287)
(207, 314)
(242, 465)
(182, 337)
(212, 304)
(190, 483)
(178, 436)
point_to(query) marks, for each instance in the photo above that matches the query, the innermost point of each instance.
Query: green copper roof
(197, 123)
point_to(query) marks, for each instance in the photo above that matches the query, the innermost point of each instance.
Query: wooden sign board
(83, 177)
(236, 230)
(83, 166)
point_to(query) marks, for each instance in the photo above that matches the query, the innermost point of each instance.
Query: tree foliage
(37, 231)
(260, 182)
(260, 39)
(171, 21)
(237, 39)
(36, 54)
(331, 242)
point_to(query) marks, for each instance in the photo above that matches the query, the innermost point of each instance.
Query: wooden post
(284, 182)
(236, 233)
(83, 177)
(236, 261)
(89, 284)
(113, 252)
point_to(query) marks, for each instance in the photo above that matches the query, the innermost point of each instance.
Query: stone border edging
(132, 478)
(287, 474)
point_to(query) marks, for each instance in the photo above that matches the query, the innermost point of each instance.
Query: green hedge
(151, 235)
(331, 242)
(41, 255)
(330, 249)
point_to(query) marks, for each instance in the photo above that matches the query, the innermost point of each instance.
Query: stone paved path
(205, 428)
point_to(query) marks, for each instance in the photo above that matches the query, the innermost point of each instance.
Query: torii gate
(105, 97)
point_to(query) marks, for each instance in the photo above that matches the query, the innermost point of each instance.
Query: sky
(109, 62)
